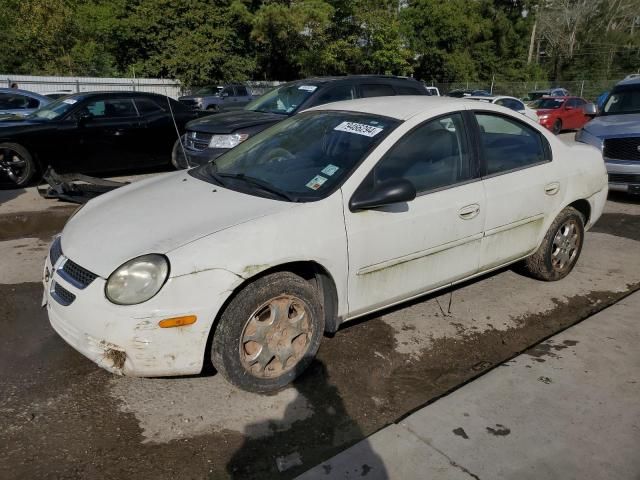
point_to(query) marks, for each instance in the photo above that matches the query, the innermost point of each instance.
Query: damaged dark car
(93, 132)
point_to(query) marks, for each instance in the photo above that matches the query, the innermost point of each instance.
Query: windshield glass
(54, 110)
(301, 159)
(548, 103)
(623, 100)
(284, 100)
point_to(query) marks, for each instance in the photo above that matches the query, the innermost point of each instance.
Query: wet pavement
(63, 417)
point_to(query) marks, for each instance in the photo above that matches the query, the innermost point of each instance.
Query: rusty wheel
(276, 336)
(269, 332)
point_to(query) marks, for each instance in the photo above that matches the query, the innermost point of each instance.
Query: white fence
(171, 88)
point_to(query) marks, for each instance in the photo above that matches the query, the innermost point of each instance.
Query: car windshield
(623, 100)
(284, 100)
(303, 158)
(54, 110)
(547, 103)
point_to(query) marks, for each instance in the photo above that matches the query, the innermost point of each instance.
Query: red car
(561, 113)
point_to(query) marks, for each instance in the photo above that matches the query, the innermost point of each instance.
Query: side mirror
(84, 118)
(384, 193)
(224, 94)
(568, 107)
(590, 109)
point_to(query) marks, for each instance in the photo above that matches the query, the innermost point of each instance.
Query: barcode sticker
(359, 129)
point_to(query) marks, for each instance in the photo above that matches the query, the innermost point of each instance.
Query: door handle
(469, 212)
(552, 188)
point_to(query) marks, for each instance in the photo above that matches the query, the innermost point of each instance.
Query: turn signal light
(177, 321)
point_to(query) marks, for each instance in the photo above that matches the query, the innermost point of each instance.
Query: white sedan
(332, 214)
(510, 102)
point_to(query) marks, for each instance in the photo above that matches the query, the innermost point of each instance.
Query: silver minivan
(616, 132)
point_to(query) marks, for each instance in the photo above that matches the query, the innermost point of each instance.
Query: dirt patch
(619, 224)
(41, 225)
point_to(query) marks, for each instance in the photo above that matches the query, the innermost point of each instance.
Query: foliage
(206, 41)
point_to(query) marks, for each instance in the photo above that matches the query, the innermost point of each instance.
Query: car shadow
(8, 191)
(288, 453)
(623, 197)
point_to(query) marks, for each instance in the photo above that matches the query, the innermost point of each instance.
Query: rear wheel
(17, 163)
(557, 127)
(269, 333)
(560, 249)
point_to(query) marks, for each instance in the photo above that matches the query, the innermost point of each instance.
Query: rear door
(521, 186)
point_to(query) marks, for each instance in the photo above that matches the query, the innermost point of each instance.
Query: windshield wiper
(262, 185)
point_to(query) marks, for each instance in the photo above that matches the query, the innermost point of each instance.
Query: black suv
(209, 137)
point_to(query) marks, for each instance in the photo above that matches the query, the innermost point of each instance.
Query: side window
(580, 102)
(227, 91)
(376, 90)
(434, 155)
(146, 106)
(571, 103)
(10, 101)
(405, 90)
(336, 94)
(112, 108)
(241, 91)
(508, 144)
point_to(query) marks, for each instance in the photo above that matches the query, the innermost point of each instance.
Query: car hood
(156, 215)
(614, 125)
(229, 122)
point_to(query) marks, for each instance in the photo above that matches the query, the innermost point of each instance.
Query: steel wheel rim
(13, 165)
(565, 245)
(276, 336)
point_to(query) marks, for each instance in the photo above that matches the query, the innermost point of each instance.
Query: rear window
(146, 105)
(376, 90)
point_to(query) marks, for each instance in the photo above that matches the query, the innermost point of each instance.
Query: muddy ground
(63, 417)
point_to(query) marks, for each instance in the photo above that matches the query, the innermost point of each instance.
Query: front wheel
(17, 163)
(178, 159)
(269, 333)
(557, 127)
(560, 248)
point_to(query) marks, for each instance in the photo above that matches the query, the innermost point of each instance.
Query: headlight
(585, 137)
(227, 141)
(543, 117)
(137, 280)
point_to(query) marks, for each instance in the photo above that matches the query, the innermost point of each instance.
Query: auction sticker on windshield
(308, 88)
(358, 128)
(330, 169)
(316, 182)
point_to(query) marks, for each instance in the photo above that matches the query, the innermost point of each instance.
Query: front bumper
(200, 157)
(127, 340)
(624, 175)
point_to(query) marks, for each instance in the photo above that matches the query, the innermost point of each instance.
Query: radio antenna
(173, 117)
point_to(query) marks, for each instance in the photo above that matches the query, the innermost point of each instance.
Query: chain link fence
(588, 89)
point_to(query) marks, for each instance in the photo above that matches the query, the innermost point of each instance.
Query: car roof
(629, 81)
(401, 107)
(352, 78)
(126, 93)
(24, 92)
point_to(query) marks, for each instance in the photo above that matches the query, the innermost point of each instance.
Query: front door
(521, 185)
(402, 250)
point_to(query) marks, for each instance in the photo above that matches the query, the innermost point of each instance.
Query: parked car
(220, 98)
(330, 215)
(209, 137)
(468, 93)
(561, 113)
(509, 102)
(548, 92)
(92, 132)
(616, 133)
(433, 91)
(20, 102)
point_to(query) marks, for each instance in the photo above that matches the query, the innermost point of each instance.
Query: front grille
(62, 295)
(55, 251)
(624, 178)
(76, 275)
(189, 103)
(627, 148)
(197, 140)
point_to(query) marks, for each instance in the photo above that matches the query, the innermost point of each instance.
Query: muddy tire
(557, 127)
(560, 248)
(269, 333)
(17, 164)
